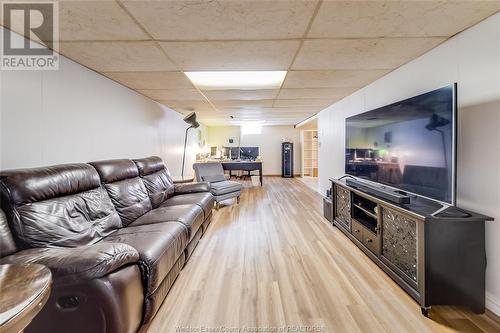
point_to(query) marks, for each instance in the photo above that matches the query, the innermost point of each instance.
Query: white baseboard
(492, 304)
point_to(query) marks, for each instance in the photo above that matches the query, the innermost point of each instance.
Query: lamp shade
(191, 120)
(436, 121)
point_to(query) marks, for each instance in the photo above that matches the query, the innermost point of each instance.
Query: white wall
(472, 59)
(218, 135)
(269, 143)
(76, 115)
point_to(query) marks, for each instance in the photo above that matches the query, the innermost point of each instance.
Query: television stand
(435, 253)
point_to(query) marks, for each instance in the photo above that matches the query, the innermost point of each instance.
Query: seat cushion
(159, 246)
(191, 216)
(224, 187)
(222, 197)
(203, 199)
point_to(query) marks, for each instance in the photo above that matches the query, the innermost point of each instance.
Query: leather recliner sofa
(115, 235)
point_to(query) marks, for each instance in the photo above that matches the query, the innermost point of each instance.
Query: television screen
(249, 153)
(409, 145)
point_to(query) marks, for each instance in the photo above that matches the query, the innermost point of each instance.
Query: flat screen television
(409, 145)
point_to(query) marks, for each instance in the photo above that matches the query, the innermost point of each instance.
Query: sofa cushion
(213, 178)
(190, 215)
(7, 244)
(69, 221)
(159, 246)
(121, 180)
(224, 187)
(156, 178)
(203, 199)
(195, 187)
(38, 184)
(205, 170)
(76, 264)
(61, 205)
(153, 302)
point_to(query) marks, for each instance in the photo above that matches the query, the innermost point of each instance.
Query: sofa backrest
(156, 178)
(209, 172)
(7, 244)
(60, 205)
(121, 180)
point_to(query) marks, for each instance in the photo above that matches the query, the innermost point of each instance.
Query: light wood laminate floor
(273, 260)
(311, 182)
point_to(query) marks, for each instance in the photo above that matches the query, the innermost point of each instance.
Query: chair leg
(238, 199)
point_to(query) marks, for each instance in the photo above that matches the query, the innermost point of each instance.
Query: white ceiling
(330, 48)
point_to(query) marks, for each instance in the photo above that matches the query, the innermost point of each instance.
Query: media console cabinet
(437, 256)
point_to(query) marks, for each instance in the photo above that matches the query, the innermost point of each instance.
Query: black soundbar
(388, 194)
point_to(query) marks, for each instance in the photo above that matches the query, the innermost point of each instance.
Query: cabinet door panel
(399, 242)
(343, 206)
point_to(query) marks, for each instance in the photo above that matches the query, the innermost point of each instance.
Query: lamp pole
(184, 154)
(191, 120)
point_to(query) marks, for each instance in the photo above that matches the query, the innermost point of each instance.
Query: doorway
(309, 144)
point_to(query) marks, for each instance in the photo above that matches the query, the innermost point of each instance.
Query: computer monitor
(249, 153)
(234, 153)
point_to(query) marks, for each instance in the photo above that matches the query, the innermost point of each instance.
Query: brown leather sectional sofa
(115, 235)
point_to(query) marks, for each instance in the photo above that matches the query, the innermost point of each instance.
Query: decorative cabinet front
(343, 206)
(399, 242)
(435, 253)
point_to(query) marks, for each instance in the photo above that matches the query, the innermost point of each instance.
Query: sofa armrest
(192, 188)
(80, 263)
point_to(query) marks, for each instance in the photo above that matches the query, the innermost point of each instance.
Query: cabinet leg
(425, 311)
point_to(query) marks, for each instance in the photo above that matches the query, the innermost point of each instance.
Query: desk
(24, 290)
(244, 166)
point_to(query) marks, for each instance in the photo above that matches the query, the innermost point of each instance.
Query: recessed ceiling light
(237, 79)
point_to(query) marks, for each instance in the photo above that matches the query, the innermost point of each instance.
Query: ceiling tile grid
(329, 48)
(374, 19)
(172, 94)
(129, 56)
(232, 55)
(204, 20)
(356, 54)
(151, 80)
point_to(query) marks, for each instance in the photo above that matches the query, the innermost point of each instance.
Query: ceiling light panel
(237, 79)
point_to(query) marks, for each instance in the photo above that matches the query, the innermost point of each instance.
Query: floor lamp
(435, 122)
(191, 120)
